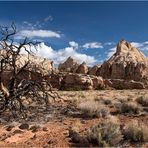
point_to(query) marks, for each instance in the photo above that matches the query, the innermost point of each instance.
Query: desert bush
(107, 101)
(77, 138)
(122, 100)
(100, 87)
(129, 107)
(106, 134)
(75, 88)
(119, 87)
(136, 132)
(93, 109)
(143, 100)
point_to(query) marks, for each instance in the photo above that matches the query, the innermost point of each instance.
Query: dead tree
(16, 90)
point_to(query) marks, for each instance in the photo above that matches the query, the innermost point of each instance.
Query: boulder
(98, 82)
(74, 81)
(77, 81)
(82, 68)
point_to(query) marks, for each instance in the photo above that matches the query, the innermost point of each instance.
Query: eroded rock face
(77, 81)
(70, 65)
(94, 70)
(39, 64)
(35, 69)
(98, 82)
(74, 81)
(82, 68)
(127, 63)
(123, 84)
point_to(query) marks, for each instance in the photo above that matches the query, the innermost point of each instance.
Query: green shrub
(93, 109)
(143, 100)
(75, 88)
(136, 132)
(105, 135)
(107, 101)
(129, 107)
(119, 87)
(100, 87)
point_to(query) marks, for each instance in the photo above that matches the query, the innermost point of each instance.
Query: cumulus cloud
(73, 44)
(92, 45)
(37, 33)
(137, 44)
(61, 55)
(109, 43)
(142, 46)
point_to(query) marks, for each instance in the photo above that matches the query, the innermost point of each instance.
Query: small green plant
(119, 86)
(129, 107)
(75, 88)
(100, 87)
(136, 132)
(107, 134)
(143, 100)
(93, 109)
(107, 101)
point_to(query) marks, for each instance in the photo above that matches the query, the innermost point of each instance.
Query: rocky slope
(70, 65)
(127, 63)
(36, 68)
(40, 64)
(126, 69)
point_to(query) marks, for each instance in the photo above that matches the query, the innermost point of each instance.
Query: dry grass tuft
(129, 107)
(107, 134)
(93, 109)
(136, 132)
(143, 100)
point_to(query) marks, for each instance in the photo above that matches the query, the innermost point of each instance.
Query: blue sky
(88, 31)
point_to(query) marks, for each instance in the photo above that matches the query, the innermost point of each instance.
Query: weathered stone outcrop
(82, 68)
(127, 63)
(123, 84)
(74, 81)
(70, 65)
(37, 64)
(35, 70)
(94, 70)
(77, 81)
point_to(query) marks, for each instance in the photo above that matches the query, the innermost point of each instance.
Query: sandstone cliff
(70, 65)
(128, 63)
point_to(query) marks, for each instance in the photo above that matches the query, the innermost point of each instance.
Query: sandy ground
(55, 130)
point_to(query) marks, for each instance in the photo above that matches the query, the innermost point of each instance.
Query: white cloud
(74, 44)
(111, 52)
(109, 43)
(28, 23)
(48, 18)
(92, 45)
(38, 33)
(146, 42)
(61, 55)
(136, 44)
(142, 46)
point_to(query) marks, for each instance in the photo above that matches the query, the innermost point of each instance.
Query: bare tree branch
(21, 83)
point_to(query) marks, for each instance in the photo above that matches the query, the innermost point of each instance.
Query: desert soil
(50, 127)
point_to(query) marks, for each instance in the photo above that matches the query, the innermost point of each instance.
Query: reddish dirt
(55, 132)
